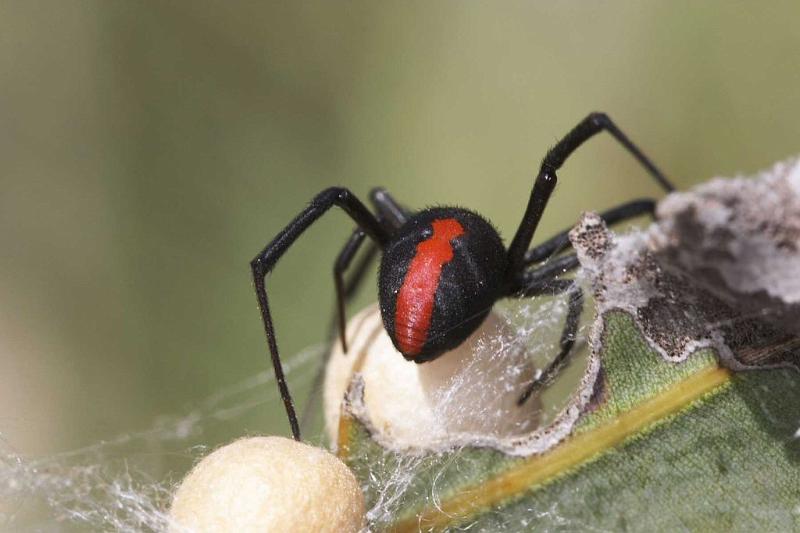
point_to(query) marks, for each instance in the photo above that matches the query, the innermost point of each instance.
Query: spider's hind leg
(266, 260)
(391, 215)
(344, 290)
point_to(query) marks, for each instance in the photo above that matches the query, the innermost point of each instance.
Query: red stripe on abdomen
(416, 297)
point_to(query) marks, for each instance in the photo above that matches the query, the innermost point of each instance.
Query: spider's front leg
(391, 215)
(520, 282)
(265, 261)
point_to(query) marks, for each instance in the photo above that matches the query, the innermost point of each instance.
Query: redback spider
(443, 268)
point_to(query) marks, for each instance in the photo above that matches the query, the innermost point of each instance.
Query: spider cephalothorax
(440, 275)
(443, 268)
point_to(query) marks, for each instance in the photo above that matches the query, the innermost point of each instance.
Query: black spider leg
(345, 290)
(543, 281)
(391, 215)
(530, 282)
(547, 178)
(265, 261)
(391, 211)
(544, 278)
(560, 241)
(569, 333)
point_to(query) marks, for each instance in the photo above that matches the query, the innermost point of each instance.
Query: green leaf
(665, 446)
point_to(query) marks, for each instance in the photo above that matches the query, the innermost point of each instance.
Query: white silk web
(126, 483)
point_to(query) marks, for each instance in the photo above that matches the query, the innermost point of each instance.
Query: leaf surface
(663, 446)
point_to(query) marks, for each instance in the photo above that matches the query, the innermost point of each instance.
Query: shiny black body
(481, 271)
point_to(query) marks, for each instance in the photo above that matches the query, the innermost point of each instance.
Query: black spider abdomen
(439, 277)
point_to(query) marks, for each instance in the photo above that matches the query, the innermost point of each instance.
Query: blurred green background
(148, 150)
